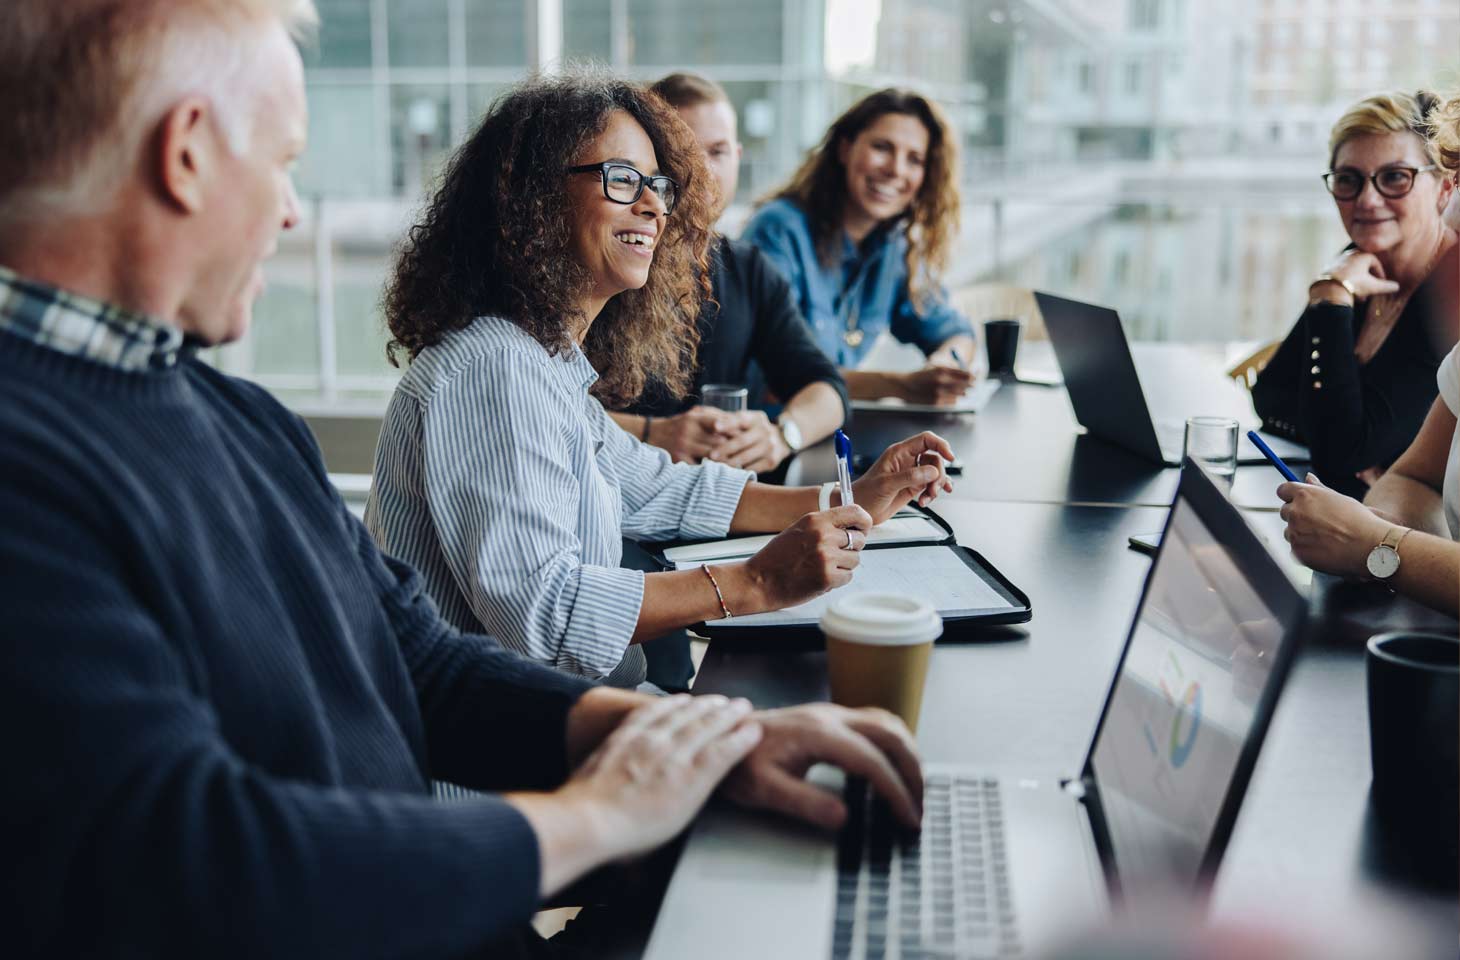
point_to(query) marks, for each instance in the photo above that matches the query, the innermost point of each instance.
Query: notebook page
(899, 529)
(937, 575)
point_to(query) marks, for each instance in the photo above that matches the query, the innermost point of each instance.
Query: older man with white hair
(222, 707)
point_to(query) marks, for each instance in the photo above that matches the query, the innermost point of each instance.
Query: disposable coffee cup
(1414, 736)
(877, 650)
(1001, 339)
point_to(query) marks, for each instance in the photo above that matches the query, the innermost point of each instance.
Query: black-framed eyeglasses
(623, 184)
(1392, 182)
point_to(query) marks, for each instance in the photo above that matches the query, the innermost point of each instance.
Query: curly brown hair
(1444, 127)
(495, 238)
(819, 187)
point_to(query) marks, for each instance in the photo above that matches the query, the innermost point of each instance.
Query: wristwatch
(791, 434)
(1383, 561)
(1330, 278)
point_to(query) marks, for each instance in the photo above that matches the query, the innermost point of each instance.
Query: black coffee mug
(1001, 337)
(1414, 723)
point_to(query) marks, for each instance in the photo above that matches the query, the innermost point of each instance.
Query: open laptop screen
(1185, 703)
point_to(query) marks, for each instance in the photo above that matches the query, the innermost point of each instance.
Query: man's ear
(187, 147)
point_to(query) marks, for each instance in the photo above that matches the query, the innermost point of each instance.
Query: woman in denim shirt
(862, 231)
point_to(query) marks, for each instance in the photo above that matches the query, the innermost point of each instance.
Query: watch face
(1383, 562)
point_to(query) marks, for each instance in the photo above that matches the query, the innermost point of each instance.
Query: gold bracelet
(1330, 278)
(724, 610)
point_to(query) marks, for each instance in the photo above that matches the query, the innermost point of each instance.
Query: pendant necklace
(853, 335)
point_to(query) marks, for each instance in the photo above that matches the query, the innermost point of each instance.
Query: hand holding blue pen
(1273, 458)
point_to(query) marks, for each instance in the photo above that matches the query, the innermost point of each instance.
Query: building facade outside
(1162, 156)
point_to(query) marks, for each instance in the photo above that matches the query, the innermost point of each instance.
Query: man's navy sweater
(222, 706)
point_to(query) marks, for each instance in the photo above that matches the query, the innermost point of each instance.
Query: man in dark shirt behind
(751, 329)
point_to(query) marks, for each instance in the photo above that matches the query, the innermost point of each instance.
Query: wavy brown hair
(495, 238)
(819, 187)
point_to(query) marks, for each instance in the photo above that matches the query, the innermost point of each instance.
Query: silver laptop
(1100, 375)
(1004, 867)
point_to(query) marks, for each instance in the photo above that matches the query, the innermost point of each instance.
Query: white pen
(844, 466)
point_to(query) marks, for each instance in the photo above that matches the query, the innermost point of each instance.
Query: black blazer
(1354, 416)
(751, 333)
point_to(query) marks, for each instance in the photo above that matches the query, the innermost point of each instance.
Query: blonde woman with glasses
(1354, 378)
(1405, 532)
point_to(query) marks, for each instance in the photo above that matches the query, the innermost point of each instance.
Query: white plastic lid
(883, 619)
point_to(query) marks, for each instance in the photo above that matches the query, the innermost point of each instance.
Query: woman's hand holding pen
(906, 471)
(1327, 530)
(813, 555)
(935, 383)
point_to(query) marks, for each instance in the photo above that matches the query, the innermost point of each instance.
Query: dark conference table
(1052, 510)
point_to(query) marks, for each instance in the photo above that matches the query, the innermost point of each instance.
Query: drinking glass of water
(1212, 442)
(725, 396)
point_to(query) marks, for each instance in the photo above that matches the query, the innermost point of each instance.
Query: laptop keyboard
(940, 893)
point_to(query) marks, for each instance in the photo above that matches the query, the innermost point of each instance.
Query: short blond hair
(83, 82)
(684, 90)
(1386, 113)
(1445, 134)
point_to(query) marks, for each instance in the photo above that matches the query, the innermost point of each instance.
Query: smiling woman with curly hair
(497, 240)
(563, 257)
(863, 231)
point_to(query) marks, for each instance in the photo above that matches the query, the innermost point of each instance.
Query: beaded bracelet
(724, 610)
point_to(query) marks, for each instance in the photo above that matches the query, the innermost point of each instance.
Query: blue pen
(1276, 460)
(957, 358)
(844, 466)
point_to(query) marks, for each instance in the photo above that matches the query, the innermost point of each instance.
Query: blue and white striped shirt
(507, 485)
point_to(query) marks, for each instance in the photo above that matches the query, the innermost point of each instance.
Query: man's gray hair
(84, 82)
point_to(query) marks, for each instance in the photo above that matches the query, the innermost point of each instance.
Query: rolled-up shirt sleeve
(929, 328)
(663, 500)
(503, 499)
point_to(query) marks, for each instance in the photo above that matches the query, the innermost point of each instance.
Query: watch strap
(790, 432)
(1392, 537)
(823, 496)
(1330, 278)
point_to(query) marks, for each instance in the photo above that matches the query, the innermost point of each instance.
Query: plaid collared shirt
(83, 327)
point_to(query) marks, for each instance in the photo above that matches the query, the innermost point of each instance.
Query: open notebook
(902, 528)
(938, 574)
(972, 401)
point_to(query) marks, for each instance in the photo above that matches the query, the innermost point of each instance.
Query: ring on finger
(848, 532)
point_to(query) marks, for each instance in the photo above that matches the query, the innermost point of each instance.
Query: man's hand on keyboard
(868, 743)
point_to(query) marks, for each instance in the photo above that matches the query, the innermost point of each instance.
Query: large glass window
(418, 33)
(674, 32)
(420, 135)
(344, 38)
(496, 32)
(344, 131)
(1158, 156)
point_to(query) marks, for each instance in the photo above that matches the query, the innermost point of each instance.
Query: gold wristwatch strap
(1392, 537)
(1330, 278)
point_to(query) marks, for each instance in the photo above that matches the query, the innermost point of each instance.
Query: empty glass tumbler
(1212, 442)
(725, 396)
